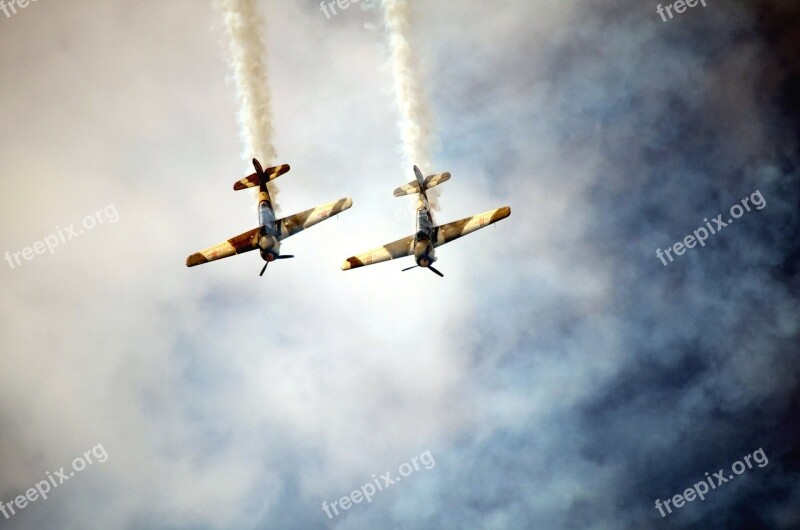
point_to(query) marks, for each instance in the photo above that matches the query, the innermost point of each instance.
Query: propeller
(267, 263)
(435, 271)
(428, 267)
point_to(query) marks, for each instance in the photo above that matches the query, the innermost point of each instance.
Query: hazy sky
(560, 375)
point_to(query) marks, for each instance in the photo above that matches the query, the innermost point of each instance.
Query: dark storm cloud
(659, 125)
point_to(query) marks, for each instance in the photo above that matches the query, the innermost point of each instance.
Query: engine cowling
(270, 247)
(424, 253)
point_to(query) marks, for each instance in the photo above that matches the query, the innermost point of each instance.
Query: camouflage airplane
(428, 237)
(270, 232)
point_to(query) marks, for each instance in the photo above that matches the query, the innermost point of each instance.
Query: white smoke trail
(247, 50)
(415, 122)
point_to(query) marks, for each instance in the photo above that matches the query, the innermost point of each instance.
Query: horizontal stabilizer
(253, 180)
(412, 188)
(289, 226)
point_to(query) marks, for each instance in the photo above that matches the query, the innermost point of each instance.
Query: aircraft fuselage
(268, 243)
(424, 253)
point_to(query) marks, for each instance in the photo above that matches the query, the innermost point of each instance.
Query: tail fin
(421, 185)
(420, 179)
(260, 175)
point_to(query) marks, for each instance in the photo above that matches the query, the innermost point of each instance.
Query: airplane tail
(261, 176)
(421, 185)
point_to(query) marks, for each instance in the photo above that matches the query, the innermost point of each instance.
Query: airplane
(428, 237)
(270, 232)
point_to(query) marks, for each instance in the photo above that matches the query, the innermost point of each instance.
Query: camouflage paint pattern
(253, 180)
(428, 236)
(270, 232)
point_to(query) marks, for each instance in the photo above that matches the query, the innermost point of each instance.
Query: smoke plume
(245, 26)
(415, 123)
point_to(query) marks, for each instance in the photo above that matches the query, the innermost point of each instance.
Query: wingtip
(502, 213)
(279, 170)
(196, 259)
(351, 263)
(344, 203)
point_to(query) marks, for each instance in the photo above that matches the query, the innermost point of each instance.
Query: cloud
(561, 375)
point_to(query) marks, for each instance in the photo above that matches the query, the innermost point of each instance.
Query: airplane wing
(236, 245)
(398, 249)
(289, 226)
(451, 231)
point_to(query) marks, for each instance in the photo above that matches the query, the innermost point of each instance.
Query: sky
(560, 376)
